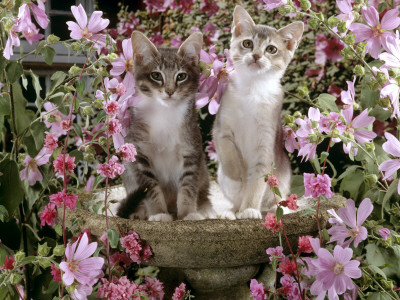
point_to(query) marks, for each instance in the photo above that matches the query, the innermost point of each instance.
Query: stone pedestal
(216, 258)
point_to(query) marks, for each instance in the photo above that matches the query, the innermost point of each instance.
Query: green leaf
(3, 255)
(24, 116)
(315, 163)
(308, 211)
(389, 193)
(277, 192)
(113, 237)
(3, 63)
(39, 47)
(14, 71)
(80, 87)
(379, 257)
(48, 54)
(377, 270)
(56, 79)
(4, 107)
(78, 130)
(3, 213)
(297, 185)
(368, 96)
(77, 154)
(379, 296)
(381, 7)
(37, 129)
(38, 88)
(352, 183)
(279, 214)
(327, 102)
(11, 191)
(348, 171)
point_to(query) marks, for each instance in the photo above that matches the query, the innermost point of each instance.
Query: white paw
(161, 218)
(249, 213)
(194, 217)
(228, 215)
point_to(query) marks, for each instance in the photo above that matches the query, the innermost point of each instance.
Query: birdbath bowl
(216, 258)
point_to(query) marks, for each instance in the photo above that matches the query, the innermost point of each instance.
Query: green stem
(377, 283)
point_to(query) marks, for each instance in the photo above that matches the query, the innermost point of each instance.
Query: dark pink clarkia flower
(317, 185)
(48, 215)
(257, 290)
(31, 172)
(375, 33)
(348, 224)
(179, 293)
(389, 167)
(88, 30)
(327, 49)
(157, 39)
(209, 7)
(176, 41)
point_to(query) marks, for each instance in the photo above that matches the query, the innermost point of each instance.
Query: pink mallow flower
(79, 265)
(348, 97)
(85, 29)
(354, 126)
(111, 169)
(31, 172)
(125, 61)
(317, 186)
(375, 33)
(392, 57)
(271, 222)
(384, 232)
(128, 152)
(347, 217)
(13, 40)
(179, 293)
(70, 200)
(56, 128)
(58, 164)
(271, 4)
(334, 272)
(327, 49)
(48, 215)
(346, 10)
(389, 167)
(257, 290)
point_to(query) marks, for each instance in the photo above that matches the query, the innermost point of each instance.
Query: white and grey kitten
(169, 178)
(247, 130)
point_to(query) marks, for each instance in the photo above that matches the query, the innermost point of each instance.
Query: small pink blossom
(56, 128)
(346, 10)
(111, 107)
(271, 222)
(179, 293)
(59, 165)
(272, 181)
(271, 4)
(48, 215)
(157, 5)
(111, 169)
(304, 244)
(316, 186)
(66, 124)
(291, 202)
(276, 253)
(56, 272)
(50, 141)
(257, 290)
(135, 247)
(347, 217)
(79, 265)
(211, 151)
(8, 263)
(31, 172)
(289, 289)
(176, 41)
(376, 32)
(384, 232)
(118, 289)
(70, 200)
(209, 7)
(389, 167)
(113, 126)
(157, 39)
(128, 152)
(287, 266)
(88, 30)
(153, 288)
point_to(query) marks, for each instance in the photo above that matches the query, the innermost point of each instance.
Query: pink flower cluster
(180, 292)
(8, 264)
(272, 223)
(317, 186)
(257, 290)
(128, 152)
(289, 289)
(112, 168)
(290, 202)
(327, 49)
(276, 253)
(23, 23)
(136, 248)
(272, 181)
(69, 200)
(58, 164)
(48, 215)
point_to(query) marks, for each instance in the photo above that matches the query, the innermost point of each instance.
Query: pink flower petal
(361, 236)
(363, 120)
(96, 22)
(213, 107)
(118, 66)
(340, 284)
(85, 249)
(363, 135)
(351, 269)
(364, 210)
(390, 20)
(371, 16)
(390, 60)
(348, 214)
(80, 15)
(389, 167)
(374, 47)
(68, 277)
(362, 32)
(392, 145)
(39, 15)
(76, 31)
(347, 114)
(341, 255)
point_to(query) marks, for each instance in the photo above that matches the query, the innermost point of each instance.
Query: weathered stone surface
(210, 243)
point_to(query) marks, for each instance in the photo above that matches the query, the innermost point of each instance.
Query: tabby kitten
(247, 130)
(169, 178)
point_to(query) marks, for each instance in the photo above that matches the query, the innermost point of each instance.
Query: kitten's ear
(292, 34)
(242, 21)
(190, 49)
(143, 49)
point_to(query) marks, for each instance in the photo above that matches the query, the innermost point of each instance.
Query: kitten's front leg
(188, 189)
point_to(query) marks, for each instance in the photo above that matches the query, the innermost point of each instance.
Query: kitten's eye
(181, 77)
(156, 76)
(247, 43)
(271, 49)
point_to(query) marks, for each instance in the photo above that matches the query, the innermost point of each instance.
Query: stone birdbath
(216, 258)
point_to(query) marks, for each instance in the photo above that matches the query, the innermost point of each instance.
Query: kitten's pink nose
(256, 57)
(170, 92)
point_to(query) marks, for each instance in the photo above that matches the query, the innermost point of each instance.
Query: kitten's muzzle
(169, 92)
(256, 57)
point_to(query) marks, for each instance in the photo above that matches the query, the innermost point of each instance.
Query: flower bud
(381, 78)
(371, 179)
(112, 56)
(90, 149)
(348, 135)
(15, 278)
(284, 10)
(89, 157)
(356, 106)
(333, 21)
(334, 182)
(21, 158)
(305, 5)
(384, 102)
(74, 70)
(44, 263)
(289, 119)
(347, 53)
(91, 70)
(103, 141)
(312, 138)
(303, 91)
(320, 16)
(359, 70)
(87, 111)
(372, 84)
(9, 24)
(342, 27)
(356, 15)
(361, 48)
(98, 103)
(19, 256)
(43, 250)
(297, 114)
(387, 284)
(51, 118)
(336, 133)
(59, 250)
(350, 39)
(76, 46)
(370, 146)
(52, 39)
(313, 23)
